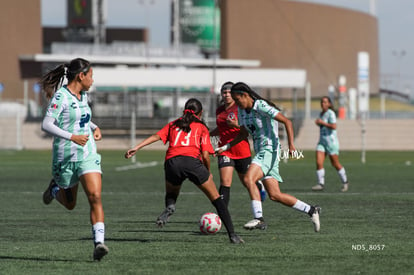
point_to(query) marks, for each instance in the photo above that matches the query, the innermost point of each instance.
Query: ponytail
(52, 80)
(193, 109)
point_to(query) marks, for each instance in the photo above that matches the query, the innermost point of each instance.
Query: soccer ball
(210, 223)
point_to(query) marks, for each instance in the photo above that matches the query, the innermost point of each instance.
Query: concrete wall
(380, 135)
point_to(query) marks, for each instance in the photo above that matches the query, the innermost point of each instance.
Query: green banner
(200, 23)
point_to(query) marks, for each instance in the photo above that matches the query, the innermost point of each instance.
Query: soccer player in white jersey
(328, 145)
(259, 118)
(75, 158)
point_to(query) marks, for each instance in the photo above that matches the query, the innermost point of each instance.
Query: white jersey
(328, 135)
(74, 116)
(261, 124)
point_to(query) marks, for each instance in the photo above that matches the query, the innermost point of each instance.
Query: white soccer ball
(210, 223)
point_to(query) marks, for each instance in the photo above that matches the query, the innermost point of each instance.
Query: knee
(247, 180)
(274, 196)
(94, 198)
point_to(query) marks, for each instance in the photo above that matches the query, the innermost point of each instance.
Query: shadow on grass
(36, 259)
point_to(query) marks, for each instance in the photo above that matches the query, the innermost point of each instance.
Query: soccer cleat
(236, 239)
(318, 187)
(165, 215)
(262, 190)
(315, 218)
(47, 195)
(256, 224)
(344, 187)
(100, 251)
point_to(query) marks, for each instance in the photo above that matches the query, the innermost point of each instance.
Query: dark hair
(241, 87)
(192, 110)
(226, 86)
(52, 80)
(330, 101)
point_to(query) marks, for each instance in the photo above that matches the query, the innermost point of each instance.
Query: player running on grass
(75, 158)
(188, 157)
(260, 118)
(237, 157)
(328, 145)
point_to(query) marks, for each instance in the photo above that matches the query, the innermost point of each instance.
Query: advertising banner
(200, 23)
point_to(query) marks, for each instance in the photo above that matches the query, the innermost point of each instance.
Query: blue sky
(395, 21)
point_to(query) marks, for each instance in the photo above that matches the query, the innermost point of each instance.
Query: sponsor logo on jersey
(231, 116)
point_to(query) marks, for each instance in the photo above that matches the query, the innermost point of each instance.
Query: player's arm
(96, 131)
(289, 130)
(49, 126)
(205, 156)
(149, 140)
(320, 122)
(233, 123)
(242, 135)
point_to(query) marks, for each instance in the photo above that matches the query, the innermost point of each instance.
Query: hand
(97, 134)
(218, 151)
(292, 150)
(130, 153)
(221, 149)
(319, 122)
(80, 139)
(234, 123)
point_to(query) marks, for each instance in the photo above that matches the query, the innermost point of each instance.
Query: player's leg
(174, 177)
(273, 190)
(171, 194)
(210, 190)
(320, 171)
(64, 186)
(226, 178)
(67, 196)
(241, 166)
(92, 185)
(226, 168)
(254, 173)
(340, 170)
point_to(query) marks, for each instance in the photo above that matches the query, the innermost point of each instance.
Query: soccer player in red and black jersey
(237, 157)
(188, 157)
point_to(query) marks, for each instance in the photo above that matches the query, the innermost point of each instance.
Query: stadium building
(286, 50)
(322, 40)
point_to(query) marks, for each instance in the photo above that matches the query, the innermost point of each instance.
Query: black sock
(170, 198)
(224, 214)
(225, 193)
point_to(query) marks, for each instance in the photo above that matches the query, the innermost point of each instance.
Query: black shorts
(241, 165)
(180, 168)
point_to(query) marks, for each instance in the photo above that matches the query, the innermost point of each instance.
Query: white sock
(257, 209)
(320, 174)
(301, 206)
(98, 231)
(342, 175)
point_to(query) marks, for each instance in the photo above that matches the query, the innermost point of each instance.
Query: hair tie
(188, 111)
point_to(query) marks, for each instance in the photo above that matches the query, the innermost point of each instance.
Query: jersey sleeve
(265, 108)
(332, 117)
(206, 142)
(56, 105)
(164, 133)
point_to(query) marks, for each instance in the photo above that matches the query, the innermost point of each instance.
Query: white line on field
(137, 165)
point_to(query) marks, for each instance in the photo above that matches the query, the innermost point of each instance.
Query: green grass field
(365, 231)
